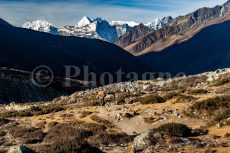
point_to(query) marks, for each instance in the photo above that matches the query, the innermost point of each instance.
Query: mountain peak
(84, 21)
(42, 26)
(37, 24)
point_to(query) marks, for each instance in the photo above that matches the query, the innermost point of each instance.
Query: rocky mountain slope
(208, 50)
(187, 114)
(174, 28)
(158, 24)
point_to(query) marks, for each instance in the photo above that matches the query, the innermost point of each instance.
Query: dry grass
(102, 121)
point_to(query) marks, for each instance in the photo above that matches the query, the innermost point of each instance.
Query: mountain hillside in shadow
(208, 50)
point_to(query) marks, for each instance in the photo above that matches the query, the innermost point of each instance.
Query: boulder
(20, 149)
(143, 141)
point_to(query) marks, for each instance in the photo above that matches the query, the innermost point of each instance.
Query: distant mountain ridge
(86, 27)
(175, 27)
(42, 26)
(95, 28)
(208, 50)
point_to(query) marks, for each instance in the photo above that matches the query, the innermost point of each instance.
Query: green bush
(174, 129)
(151, 99)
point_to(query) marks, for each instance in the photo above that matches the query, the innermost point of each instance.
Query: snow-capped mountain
(91, 28)
(159, 23)
(41, 26)
(123, 27)
(98, 28)
(129, 23)
(84, 21)
(86, 27)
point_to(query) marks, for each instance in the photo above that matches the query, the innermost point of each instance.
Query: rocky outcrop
(133, 35)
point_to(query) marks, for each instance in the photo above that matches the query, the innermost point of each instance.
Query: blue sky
(68, 12)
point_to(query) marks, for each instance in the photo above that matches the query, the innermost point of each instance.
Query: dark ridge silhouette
(206, 51)
(3, 22)
(26, 49)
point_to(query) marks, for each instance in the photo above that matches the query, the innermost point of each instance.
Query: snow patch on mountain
(121, 23)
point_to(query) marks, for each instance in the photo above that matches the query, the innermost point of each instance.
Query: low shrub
(222, 81)
(151, 99)
(184, 99)
(102, 121)
(224, 115)
(27, 135)
(94, 127)
(71, 146)
(198, 91)
(86, 113)
(212, 104)
(174, 129)
(36, 110)
(64, 132)
(106, 138)
(170, 95)
(3, 121)
(89, 99)
(2, 133)
(227, 135)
